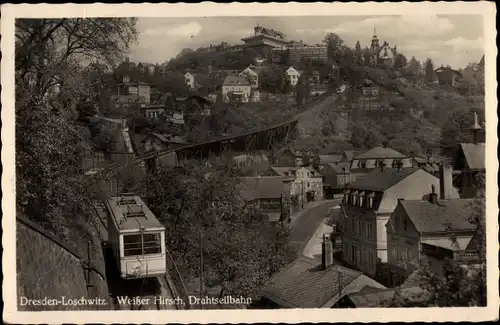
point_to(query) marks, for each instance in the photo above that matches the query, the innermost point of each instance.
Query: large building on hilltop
(382, 54)
(264, 40)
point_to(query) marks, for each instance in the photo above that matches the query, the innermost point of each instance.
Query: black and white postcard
(245, 163)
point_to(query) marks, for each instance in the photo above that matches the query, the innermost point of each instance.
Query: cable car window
(139, 245)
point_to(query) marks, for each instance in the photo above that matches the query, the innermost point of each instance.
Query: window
(359, 228)
(353, 253)
(405, 224)
(353, 228)
(362, 164)
(141, 244)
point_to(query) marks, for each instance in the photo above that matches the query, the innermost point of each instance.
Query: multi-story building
(236, 89)
(469, 163)
(307, 185)
(269, 193)
(367, 206)
(292, 75)
(131, 88)
(308, 52)
(252, 77)
(376, 158)
(264, 40)
(447, 76)
(437, 228)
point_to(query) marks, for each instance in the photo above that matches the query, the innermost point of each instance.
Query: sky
(446, 39)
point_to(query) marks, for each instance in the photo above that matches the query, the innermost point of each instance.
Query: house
(201, 104)
(372, 297)
(291, 157)
(437, 228)
(190, 79)
(161, 142)
(252, 77)
(269, 193)
(292, 76)
(376, 158)
(126, 104)
(236, 88)
(310, 283)
(335, 179)
(327, 159)
(469, 164)
(307, 184)
(153, 111)
(367, 205)
(130, 88)
(447, 76)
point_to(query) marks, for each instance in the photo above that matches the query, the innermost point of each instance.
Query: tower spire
(374, 30)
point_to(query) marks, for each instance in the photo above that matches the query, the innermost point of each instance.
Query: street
(306, 222)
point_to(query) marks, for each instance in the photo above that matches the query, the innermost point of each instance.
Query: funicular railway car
(136, 237)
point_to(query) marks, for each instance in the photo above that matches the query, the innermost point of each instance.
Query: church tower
(374, 47)
(375, 41)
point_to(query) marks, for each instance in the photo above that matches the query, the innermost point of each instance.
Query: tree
(85, 110)
(414, 67)
(358, 53)
(302, 89)
(241, 248)
(271, 79)
(51, 187)
(367, 55)
(430, 74)
(455, 130)
(334, 45)
(400, 61)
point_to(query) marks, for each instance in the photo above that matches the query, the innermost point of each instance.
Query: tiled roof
(380, 152)
(305, 284)
(474, 154)
(282, 171)
(380, 297)
(235, 81)
(350, 154)
(263, 187)
(442, 216)
(325, 159)
(380, 180)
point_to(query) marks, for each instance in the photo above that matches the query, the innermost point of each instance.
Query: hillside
(418, 113)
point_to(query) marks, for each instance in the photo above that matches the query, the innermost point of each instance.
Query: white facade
(243, 91)
(307, 180)
(190, 80)
(252, 77)
(292, 75)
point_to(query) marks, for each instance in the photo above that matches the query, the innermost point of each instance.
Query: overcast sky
(452, 39)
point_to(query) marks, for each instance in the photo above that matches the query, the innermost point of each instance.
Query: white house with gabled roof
(292, 75)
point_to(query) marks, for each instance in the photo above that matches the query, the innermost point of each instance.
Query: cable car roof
(130, 213)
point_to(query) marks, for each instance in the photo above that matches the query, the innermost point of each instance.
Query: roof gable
(380, 180)
(262, 187)
(474, 154)
(305, 284)
(445, 215)
(380, 152)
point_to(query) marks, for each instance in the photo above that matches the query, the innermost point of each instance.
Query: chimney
(445, 181)
(327, 252)
(433, 195)
(475, 129)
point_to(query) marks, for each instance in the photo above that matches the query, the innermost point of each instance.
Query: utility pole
(201, 264)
